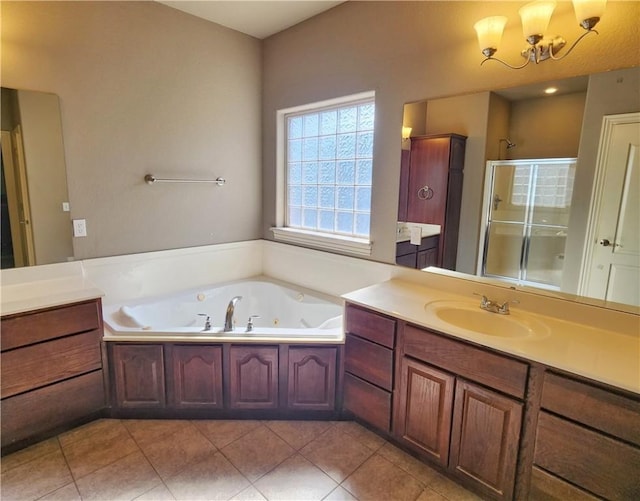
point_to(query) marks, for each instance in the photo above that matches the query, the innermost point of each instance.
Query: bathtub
(280, 312)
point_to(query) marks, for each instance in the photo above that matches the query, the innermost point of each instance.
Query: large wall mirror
(514, 137)
(36, 227)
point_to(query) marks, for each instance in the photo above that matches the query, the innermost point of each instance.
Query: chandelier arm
(505, 63)
(570, 48)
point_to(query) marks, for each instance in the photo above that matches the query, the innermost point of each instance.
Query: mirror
(522, 123)
(36, 226)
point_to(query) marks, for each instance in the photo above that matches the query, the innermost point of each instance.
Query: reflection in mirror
(526, 124)
(35, 203)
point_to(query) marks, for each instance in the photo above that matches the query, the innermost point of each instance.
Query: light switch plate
(79, 228)
(65, 207)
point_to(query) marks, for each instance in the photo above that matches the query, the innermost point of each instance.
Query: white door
(612, 270)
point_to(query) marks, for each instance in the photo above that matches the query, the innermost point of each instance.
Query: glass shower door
(527, 213)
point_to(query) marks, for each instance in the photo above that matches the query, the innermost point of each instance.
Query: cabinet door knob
(425, 193)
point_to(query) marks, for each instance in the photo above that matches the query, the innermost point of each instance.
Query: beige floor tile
(340, 494)
(298, 433)
(170, 453)
(146, 431)
(159, 493)
(90, 452)
(214, 477)
(67, 493)
(249, 494)
(337, 453)
(36, 478)
(379, 479)
(223, 432)
(295, 479)
(408, 463)
(430, 495)
(367, 437)
(126, 478)
(257, 452)
(29, 454)
(451, 490)
(99, 426)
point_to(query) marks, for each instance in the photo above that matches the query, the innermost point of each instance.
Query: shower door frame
(487, 210)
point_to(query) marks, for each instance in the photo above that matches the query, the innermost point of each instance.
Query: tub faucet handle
(250, 322)
(207, 322)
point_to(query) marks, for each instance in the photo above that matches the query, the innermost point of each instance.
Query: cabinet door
(139, 375)
(197, 377)
(312, 378)
(427, 258)
(428, 176)
(425, 409)
(254, 377)
(484, 439)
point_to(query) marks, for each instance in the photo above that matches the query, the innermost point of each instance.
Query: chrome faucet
(228, 319)
(495, 307)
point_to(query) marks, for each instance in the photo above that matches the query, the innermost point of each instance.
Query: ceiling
(258, 18)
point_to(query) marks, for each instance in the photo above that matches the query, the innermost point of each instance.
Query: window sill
(349, 245)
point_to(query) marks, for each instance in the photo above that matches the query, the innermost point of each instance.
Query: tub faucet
(228, 319)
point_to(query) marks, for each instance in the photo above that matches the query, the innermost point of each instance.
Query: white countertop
(608, 356)
(30, 296)
(426, 230)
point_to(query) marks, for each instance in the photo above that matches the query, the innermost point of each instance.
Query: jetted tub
(281, 313)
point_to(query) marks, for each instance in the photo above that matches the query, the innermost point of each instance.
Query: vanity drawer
(547, 487)
(498, 372)
(53, 406)
(604, 410)
(22, 330)
(595, 462)
(371, 326)
(369, 361)
(368, 402)
(45, 363)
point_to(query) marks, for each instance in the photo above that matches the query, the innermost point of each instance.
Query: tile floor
(157, 460)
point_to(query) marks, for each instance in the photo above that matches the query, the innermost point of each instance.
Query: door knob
(605, 242)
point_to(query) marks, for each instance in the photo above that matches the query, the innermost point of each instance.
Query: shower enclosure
(525, 216)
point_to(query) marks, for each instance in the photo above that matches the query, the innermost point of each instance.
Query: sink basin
(470, 317)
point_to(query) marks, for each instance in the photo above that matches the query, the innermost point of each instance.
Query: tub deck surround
(608, 355)
(279, 313)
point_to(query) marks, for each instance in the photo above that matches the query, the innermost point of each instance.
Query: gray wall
(408, 51)
(145, 88)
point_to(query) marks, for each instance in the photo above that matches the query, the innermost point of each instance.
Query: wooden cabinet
(253, 383)
(434, 193)
(369, 366)
(425, 409)
(418, 256)
(312, 378)
(588, 436)
(463, 426)
(51, 371)
(195, 379)
(139, 378)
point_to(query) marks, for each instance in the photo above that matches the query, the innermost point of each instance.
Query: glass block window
(553, 185)
(329, 155)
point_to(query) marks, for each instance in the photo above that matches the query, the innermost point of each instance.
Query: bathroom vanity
(504, 417)
(52, 375)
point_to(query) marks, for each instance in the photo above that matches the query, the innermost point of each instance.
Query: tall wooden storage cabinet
(435, 189)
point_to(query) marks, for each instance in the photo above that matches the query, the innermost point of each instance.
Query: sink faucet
(228, 319)
(495, 307)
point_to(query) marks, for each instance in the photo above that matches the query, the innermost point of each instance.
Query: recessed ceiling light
(551, 90)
